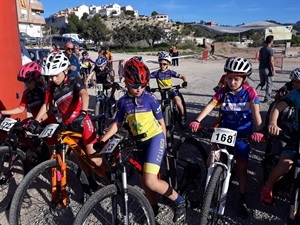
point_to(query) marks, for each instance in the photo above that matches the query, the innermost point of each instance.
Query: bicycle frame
(227, 166)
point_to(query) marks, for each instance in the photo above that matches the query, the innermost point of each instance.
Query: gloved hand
(257, 137)
(99, 145)
(216, 88)
(77, 123)
(194, 125)
(32, 126)
(184, 84)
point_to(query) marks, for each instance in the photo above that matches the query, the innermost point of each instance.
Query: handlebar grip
(139, 136)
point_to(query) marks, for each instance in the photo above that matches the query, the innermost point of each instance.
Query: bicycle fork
(59, 180)
(214, 161)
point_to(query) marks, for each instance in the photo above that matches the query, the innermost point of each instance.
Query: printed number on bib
(7, 124)
(48, 130)
(110, 146)
(224, 136)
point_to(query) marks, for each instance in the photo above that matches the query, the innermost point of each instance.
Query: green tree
(154, 13)
(124, 36)
(150, 34)
(96, 30)
(73, 23)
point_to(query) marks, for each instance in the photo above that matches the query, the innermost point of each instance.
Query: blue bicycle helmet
(164, 56)
(101, 61)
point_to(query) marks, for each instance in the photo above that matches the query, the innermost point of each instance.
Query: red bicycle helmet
(136, 72)
(29, 71)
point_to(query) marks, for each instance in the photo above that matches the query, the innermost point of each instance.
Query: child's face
(135, 90)
(30, 84)
(163, 64)
(101, 68)
(59, 78)
(234, 82)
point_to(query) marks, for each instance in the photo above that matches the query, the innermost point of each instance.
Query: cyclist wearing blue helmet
(103, 75)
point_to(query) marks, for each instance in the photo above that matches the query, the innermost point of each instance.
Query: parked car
(38, 54)
(61, 41)
(28, 40)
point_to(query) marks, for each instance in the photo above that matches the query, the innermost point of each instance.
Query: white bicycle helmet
(239, 66)
(295, 74)
(164, 56)
(55, 63)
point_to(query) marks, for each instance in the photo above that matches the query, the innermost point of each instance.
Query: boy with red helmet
(142, 111)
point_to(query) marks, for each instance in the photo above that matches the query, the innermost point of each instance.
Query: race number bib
(224, 136)
(7, 124)
(48, 130)
(110, 146)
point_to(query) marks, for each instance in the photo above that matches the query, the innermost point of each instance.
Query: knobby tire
(98, 208)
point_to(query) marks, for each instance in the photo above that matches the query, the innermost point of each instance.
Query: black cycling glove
(184, 84)
(33, 126)
(77, 123)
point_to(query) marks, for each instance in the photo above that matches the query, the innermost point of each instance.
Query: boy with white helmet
(72, 99)
(239, 109)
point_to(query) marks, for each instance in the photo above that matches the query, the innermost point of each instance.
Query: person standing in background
(266, 67)
(212, 48)
(74, 67)
(77, 51)
(175, 54)
(107, 54)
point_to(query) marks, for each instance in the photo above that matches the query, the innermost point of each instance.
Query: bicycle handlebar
(174, 87)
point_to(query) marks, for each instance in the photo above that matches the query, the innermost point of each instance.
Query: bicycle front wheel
(33, 204)
(191, 170)
(106, 206)
(11, 173)
(212, 197)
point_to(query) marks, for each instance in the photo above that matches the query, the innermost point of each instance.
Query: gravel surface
(202, 77)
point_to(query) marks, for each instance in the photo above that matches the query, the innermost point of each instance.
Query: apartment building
(29, 18)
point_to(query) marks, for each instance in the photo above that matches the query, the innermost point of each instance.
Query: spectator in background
(107, 54)
(171, 51)
(55, 48)
(77, 51)
(175, 54)
(212, 48)
(121, 69)
(266, 67)
(74, 67)
(100, 53)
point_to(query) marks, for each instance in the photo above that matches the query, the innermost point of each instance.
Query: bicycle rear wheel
(11, 174)
(98, 209)
(32, 201)
(212, 197)
(191, 170)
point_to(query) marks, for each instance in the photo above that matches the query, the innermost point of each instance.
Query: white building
(95, 9)
(109, 10)
(80, 10)
(161, 17)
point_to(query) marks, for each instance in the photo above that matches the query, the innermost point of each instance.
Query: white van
(76, 37)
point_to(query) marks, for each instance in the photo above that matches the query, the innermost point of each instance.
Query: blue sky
(224, 12)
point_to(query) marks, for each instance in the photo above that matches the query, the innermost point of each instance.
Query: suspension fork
(59, 178)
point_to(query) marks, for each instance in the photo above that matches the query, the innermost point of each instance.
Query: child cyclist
(288, 154)
(164, 76)
(86, 66)
(239, 107)
(103, 75)
(72, 99)
(141, 110)
(32, 100)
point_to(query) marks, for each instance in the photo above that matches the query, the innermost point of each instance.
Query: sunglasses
(69, 49)
(137, 86)
(163, 64)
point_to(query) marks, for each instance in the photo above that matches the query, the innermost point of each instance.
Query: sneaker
(266, 195)
(243, 210)
(180, 212)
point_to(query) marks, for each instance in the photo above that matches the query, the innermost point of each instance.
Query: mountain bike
(104, 104)
(117, 203)
(56, 189)
(218, 175)
(184, 165)
(19, 152)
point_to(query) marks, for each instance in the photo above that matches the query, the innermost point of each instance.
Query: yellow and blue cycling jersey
(141, 113)
(164, 79)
